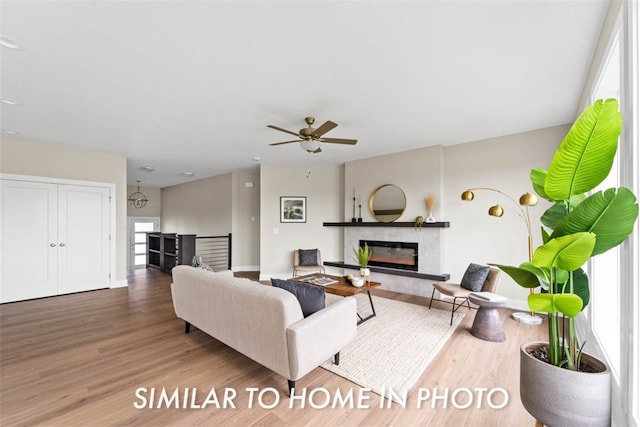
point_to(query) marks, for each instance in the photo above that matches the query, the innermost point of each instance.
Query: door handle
(61, 244)
(53, 245)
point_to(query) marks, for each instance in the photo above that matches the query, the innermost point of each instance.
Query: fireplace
(399, 255)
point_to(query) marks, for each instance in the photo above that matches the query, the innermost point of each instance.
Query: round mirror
(387, 203)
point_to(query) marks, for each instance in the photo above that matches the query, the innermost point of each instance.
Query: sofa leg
(336, 358)
(292, 385)
(187, 327)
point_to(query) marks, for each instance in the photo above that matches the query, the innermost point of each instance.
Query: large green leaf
(538, 176)
(586, 154)
(566, 252)
(581, 286)
(554, 215)
(568, 304)
(524, 278)
(610, 215)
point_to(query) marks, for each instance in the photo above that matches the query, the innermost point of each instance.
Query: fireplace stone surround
(430, 245)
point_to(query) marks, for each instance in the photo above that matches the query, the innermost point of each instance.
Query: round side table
(487, 324)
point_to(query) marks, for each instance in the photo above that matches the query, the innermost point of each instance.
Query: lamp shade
(496, 210)
(467, 196)
(528, 199)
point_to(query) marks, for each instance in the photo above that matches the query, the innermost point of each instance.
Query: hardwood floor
(79, 360)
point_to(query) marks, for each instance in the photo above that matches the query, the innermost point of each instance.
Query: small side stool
(487, 324)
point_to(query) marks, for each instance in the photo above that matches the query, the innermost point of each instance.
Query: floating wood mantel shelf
(387, 224)
(407, 273)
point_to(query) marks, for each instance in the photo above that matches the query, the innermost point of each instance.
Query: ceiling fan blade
(285, 142)
(282, 130)
(339, 141)
(326, 127)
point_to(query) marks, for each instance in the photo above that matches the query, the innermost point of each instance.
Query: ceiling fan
(310, 138)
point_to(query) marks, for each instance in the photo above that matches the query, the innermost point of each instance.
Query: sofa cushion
(474, 277)
(308, 256)
(310, 297)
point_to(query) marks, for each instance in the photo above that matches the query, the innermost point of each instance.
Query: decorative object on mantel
(387, 203)
(419, 222)
(363, 254)
(137, 199)
(360, 213)
(526, 200)
(353, 218)
(431, 201)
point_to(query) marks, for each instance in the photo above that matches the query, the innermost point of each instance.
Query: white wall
(246, 221)
(502, 163)
(417, 172)
(202, 207)
(323, 188)
(24, 157)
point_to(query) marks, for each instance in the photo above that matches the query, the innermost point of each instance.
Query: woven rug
(392, 350)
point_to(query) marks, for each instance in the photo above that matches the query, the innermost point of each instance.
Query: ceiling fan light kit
(310, 138)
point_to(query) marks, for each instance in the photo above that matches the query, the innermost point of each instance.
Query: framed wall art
(293, 209)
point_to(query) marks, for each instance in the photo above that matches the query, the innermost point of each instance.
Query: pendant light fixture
(138, 200)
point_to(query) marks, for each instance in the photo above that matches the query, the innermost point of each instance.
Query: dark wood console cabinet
(166, 250)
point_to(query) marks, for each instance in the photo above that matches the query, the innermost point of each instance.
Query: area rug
(392, 350)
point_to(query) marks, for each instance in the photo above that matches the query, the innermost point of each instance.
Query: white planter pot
(365, 272)
(561, 397)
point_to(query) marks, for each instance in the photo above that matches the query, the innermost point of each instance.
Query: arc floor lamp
(522, 210)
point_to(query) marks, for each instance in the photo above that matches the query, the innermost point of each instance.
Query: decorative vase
(364, 273)
(358, 282)
(562, 397)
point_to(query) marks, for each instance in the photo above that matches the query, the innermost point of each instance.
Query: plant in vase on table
(559, 384)
(363, 255)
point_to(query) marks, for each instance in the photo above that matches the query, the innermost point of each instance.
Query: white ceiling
(191, 85)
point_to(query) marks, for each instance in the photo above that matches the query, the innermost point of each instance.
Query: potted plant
(363, 254)
(559, 384)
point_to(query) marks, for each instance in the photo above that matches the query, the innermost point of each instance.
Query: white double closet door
(54, 239)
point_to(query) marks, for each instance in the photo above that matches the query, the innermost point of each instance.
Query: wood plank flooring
(78, 360)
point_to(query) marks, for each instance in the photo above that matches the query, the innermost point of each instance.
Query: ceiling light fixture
(10, 132)
(310, 145)
(138, 200)
(187, 174)
(8, 101)
(8, 43)
(147, 168)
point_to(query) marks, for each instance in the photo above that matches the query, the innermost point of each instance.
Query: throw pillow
(308, 256)
(474, 277)
(310, 297)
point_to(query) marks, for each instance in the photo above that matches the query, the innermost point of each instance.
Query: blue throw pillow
(308, 256)
(310, 297)
(474, 277)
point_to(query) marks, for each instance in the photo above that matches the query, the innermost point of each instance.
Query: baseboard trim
(119, 283)
(245, 268)
(268, 276)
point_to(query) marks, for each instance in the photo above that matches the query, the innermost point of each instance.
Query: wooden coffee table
(345, 289)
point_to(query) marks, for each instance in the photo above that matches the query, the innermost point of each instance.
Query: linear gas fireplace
(400, 255)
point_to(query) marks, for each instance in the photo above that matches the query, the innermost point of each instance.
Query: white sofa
(262, 322)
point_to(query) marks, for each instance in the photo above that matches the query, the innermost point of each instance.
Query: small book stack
(321, 280)
(488, 296)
